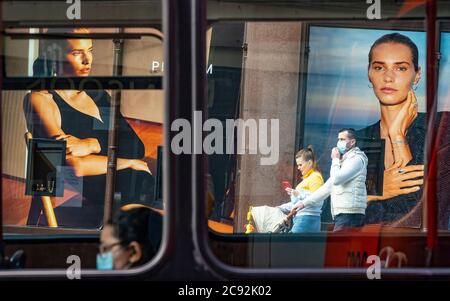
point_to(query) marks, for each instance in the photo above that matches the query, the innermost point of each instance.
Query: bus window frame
(106, 82)
(198, 218)
(206, 234)
(409, 25)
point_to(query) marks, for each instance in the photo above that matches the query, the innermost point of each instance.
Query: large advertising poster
(371, 80)
(81, 119)
(379, 99)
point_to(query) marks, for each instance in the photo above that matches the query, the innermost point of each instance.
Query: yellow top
(311, 181)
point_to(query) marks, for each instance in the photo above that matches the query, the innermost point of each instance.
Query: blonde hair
(307, 154)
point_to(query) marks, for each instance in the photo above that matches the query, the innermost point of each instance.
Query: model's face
(303, 166)
(78, 58)
(392, 73)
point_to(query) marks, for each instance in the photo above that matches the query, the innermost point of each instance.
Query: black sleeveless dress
(132, 186)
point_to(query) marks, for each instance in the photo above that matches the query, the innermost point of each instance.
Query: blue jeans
(305, 223)
(348, 220)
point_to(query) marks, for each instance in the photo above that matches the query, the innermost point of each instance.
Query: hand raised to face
(404, 119)
(335, 153)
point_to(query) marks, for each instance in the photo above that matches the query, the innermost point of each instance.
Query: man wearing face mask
(346, 184)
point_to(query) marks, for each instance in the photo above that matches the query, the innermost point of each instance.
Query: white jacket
(346, 185)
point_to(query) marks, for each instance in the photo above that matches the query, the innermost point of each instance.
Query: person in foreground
(131, 239)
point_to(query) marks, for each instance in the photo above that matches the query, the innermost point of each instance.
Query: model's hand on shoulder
(404, 119)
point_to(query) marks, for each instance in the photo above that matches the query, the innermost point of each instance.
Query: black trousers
(345, 221)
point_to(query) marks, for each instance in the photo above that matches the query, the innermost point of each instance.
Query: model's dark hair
(142, 225)
(398, 38)
(351, 133)
(307, 154)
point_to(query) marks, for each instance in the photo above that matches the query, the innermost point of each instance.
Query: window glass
(294, 86)
(28, 56)
(55, 141)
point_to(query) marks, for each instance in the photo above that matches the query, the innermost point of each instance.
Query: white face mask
(342, 146)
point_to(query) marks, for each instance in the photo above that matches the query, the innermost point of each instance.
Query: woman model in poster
(393, 72)
(306, 220)
(81, 118)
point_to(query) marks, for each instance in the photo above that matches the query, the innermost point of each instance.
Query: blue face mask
(342, 146)
(105, 261)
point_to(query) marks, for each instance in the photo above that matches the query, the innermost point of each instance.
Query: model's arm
(48, 115)
(94, 165)
(402, 152)
(349, 170)
(398, 128)
(81, 152)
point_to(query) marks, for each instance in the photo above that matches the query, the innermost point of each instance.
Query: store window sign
(158, 66)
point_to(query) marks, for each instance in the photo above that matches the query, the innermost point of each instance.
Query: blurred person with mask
(131, 239)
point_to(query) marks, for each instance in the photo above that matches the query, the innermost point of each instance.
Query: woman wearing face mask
(393, 72)
(130, 240)
(307, 220)
(81, 118)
